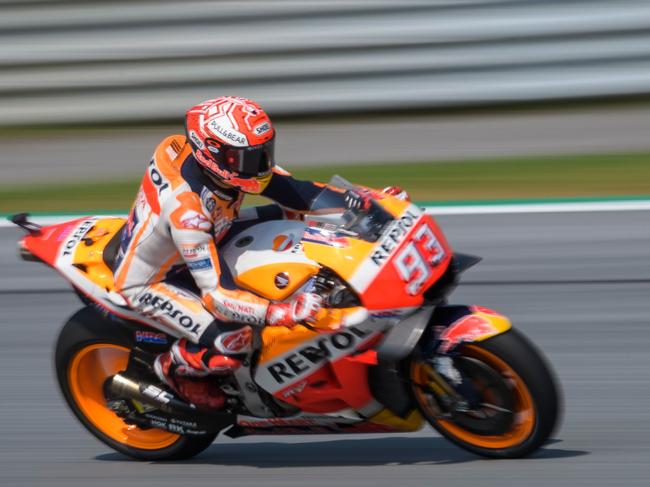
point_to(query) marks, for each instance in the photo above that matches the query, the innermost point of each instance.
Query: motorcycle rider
(190, 194)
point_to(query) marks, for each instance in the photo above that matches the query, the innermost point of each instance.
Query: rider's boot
(187, 368)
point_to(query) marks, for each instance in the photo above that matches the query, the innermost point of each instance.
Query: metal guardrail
(106, 61)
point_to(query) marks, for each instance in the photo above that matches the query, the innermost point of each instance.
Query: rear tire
(523, 379)
(90, 348)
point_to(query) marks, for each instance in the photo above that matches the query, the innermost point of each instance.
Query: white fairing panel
(273, 242)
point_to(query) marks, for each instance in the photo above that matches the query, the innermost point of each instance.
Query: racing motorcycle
(387, 353)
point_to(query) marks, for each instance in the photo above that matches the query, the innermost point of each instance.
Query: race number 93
(419, 255)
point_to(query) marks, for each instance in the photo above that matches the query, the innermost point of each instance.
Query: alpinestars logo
(193, 220)
(238, 341)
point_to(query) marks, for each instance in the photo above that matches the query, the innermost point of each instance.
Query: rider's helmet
(233, 140)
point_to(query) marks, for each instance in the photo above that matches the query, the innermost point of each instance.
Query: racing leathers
(177, 219)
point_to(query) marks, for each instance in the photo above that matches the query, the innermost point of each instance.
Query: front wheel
(89, 350)
(516, 406)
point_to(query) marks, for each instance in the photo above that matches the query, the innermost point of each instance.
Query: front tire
(88, 351)
(509, 371)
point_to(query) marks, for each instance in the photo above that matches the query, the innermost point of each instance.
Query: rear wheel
(89, 351)
(517, 403)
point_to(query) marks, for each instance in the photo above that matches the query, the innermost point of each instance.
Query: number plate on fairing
(409, 257)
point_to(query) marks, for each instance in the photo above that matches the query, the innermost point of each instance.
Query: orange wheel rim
(525, 413)
(89, 368)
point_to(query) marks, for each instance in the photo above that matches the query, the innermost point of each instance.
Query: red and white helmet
(233, 140)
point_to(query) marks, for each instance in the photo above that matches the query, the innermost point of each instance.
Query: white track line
(569, 207)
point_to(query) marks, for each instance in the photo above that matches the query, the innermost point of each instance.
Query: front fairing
(390, 253)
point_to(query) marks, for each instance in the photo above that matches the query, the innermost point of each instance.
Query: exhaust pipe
(121, 386)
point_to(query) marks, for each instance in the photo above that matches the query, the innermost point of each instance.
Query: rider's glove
(356, 200)
(301, 309)
(396, 192)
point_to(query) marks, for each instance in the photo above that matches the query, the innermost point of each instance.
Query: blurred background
(88, 89)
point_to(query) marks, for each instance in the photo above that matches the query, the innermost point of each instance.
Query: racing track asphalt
(578, 284)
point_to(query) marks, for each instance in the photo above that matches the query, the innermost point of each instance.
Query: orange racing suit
(177, 220)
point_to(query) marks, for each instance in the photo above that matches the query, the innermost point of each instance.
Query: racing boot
(187, 368)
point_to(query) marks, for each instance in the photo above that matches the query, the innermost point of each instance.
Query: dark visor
(248, 161)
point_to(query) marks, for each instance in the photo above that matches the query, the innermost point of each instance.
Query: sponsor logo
(297, 389)
(174, 425)
(282, 243)
(393, 237)
(238, 311)
(238, 307)
(281, 280)
(198, 265)
(170, 310)
(250, 185)
(304, 360)
(466, 329)
(221, 226)
(193, 220)
(262, 128)
(196, 139)
(221, 195)
(156, 177)
(485, 311)
(269, 422)
(232, 135)
(157, 394)
(194, 251)
(77, 236)
(238, 341)
(210, 164)
(208, 200)
(150, 337)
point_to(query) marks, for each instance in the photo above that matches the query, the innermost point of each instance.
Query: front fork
(452, 326)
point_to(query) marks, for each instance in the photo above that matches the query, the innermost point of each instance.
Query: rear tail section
(48, 244)
(83, 251)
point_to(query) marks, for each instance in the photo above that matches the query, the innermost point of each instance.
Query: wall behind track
(111, 61)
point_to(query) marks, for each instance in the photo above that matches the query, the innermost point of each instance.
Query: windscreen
(365, 222)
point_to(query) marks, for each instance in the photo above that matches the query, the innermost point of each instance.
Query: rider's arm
(191, 228)
(296, 195)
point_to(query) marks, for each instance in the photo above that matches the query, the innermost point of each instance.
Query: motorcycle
(387, 353)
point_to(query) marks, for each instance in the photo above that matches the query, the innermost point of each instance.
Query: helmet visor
(252, 161)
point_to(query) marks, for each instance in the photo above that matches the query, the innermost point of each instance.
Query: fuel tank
(268, 259)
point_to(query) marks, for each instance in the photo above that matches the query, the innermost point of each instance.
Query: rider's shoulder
(168, 160)
(172, 151)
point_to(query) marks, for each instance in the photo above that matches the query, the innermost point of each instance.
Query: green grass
(616, 175)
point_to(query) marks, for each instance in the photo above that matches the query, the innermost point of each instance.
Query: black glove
(356, 200)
